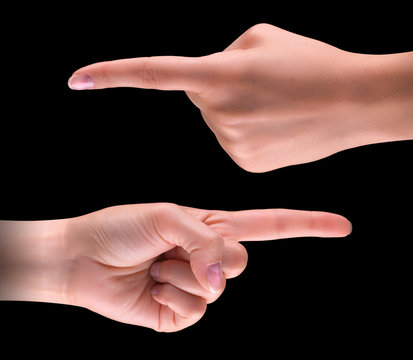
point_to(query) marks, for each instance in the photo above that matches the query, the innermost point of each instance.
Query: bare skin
(274, 98)
(153, 265)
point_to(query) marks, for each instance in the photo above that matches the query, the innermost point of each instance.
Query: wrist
(379, 90)
(35, 261)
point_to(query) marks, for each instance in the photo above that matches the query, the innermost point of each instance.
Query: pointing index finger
(272, 224)
(159, 72)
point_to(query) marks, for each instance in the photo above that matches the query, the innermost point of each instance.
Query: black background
(66, 153)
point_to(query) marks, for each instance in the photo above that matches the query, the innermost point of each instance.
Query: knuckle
(235, 261)
(243, 259)
(212, 241)
(280, 227)
(260, 28)
(104, 73)
(217, 239)
(166, 209)
(314, 222)
(238, 147)
(196, 309)
(164, 217)
(148, 74)
(251, 165)
(256, 32)
(231, 130)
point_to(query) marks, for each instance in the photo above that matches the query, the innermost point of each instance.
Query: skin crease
(142, 264)
(274, 98)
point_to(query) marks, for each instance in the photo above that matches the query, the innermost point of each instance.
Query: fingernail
(214, 276)
(156, 289)
(81, 82)
(155, 269)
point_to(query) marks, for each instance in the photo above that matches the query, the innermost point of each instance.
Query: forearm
(34, 261)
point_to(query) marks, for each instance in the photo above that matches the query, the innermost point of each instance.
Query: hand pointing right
(159, 265)
(274, 98)
(154, 265)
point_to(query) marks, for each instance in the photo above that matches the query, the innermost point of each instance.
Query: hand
(153, 265)
(274, 98)
(148, 264)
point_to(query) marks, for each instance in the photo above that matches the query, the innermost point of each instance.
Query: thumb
(204, 245)
(160, 72)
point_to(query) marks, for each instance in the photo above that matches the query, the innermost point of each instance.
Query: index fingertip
(81, 82)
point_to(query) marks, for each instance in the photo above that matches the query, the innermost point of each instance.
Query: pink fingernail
(215, 277)
(155, 269)
(81, 82)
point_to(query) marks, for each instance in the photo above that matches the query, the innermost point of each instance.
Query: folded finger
(234, 259)
(181, 308)
(179, 274)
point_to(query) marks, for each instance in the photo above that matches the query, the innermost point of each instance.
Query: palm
(116, 281)
(122, 294)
